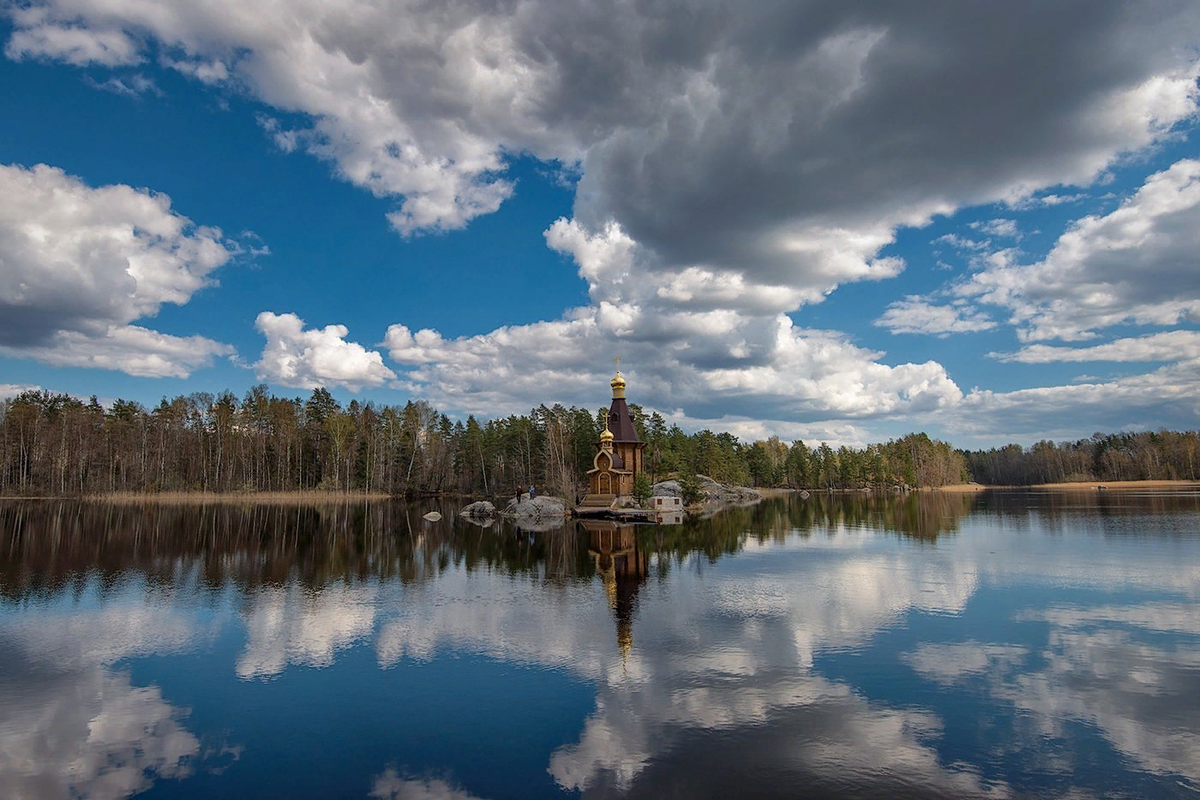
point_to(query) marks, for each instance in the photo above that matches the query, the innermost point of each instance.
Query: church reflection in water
(622, 566)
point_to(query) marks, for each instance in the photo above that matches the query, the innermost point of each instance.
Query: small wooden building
(619, 458)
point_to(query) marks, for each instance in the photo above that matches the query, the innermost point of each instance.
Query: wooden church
(619, 459)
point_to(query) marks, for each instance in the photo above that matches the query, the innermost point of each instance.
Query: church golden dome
(618, 385)
(606, 435)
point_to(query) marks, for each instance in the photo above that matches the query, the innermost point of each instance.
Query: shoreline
(297, 497)
(1070, 486)
(312, 496)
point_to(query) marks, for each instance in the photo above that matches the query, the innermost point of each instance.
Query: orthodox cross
(618, 363)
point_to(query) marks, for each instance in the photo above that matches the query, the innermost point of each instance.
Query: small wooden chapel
(619, 458)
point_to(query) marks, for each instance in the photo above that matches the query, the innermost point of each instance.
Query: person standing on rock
(532, 492)
(518, 494)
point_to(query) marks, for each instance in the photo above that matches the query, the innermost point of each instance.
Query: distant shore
(1073, 486)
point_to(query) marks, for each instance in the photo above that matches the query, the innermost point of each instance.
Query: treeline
(1161, 455)
(54, 444)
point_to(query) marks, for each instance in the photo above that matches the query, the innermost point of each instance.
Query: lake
(1002, 644)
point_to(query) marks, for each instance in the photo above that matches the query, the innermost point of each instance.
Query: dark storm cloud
(713, 133)
(852, 114)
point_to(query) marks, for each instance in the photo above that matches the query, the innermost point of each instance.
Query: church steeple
(619, 421)
(618, 386)
(618, 461)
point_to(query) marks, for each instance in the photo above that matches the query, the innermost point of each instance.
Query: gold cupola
(606, 438)
(618, 386)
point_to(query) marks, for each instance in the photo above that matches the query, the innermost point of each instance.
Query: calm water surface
(997, 645)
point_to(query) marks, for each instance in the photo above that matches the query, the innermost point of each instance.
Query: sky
(833, 221)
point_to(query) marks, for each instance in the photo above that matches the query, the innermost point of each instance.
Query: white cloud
(1167, 346)
(915, 314)
(39, 37)
(129, 348)
(1002, 228)
(1046, 201)
(1137, 264)
(835, 433)
(8, 390)
(767, 364)
(79, 264)
(1170, 396)
(131, 86)
(730, 165)
(307, 359)
(961, 242)
(741, 141)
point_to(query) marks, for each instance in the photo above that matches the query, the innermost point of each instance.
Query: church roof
(620, 423)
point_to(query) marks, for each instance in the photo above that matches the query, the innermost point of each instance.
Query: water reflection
(71, 725)
(919, 645)
(622, 566)
(87, 733)
(48, 545)
(391, 786)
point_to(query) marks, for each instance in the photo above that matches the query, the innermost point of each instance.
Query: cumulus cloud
(713, 136)
(307, 359)
(1136, 264)
(734, 163)
(835, 433)
(766, 363)
(131, 86)
(130, 349)
(79, 264)
(1001, 228)
(962, 242)
(1045, 201)
(13, 389)
(1167, 346)
(691, 342)
(916, 314)
(1170, 396)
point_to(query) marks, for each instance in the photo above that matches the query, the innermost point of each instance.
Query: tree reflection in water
(52, 546)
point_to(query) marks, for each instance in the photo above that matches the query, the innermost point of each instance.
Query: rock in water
(432, 516)
(480, 510)
(541, 507)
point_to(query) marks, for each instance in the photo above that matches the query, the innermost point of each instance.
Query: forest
(55, 444)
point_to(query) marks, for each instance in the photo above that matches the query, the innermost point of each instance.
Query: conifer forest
(55, 444)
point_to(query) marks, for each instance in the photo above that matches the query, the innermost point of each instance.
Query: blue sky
(826, 221)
